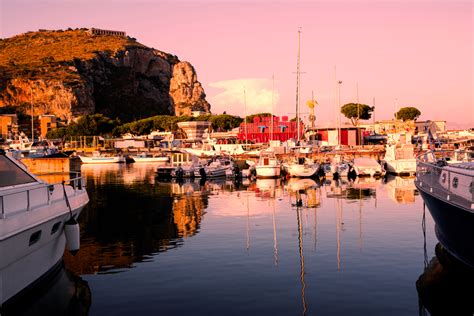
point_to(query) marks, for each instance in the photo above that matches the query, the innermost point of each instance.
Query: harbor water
(264, 247)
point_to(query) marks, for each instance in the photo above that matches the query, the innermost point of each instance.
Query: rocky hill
(71, 73)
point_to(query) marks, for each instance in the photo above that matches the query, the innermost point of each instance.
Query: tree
(225, 122)
(249, 118)
(91, 125)
(407, 113)
(356, 111)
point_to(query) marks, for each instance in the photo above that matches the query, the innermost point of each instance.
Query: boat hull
(302, 171)
(150, 159)
(101, 160)
(267, 171)
(454, 227)
(23, 264)
(401, 166)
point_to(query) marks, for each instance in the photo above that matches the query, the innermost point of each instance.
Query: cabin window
(55, 227)
(35, 237)
(443, 178)
(455, 182)
(11, 174)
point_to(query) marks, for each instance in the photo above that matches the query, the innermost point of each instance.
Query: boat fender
(72, 232)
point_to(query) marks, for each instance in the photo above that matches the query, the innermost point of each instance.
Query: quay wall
(47, 165)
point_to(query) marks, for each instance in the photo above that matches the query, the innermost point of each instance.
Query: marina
(175, 158)
(224, 244)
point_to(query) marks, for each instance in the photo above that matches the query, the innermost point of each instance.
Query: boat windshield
(11, 174)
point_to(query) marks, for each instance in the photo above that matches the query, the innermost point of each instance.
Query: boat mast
(271, 126)
(298, 89)
(245, 116)
(32, 115)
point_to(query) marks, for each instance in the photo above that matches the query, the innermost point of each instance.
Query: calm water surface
(221, 248)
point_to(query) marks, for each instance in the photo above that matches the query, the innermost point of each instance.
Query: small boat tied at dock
(147, 157)
(100, 158)
(36, 219)
(448, 192)
(399, 155)
(301, 167)
(268, 166)
(367, 166)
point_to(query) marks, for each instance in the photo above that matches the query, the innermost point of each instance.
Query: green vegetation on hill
(98, 124)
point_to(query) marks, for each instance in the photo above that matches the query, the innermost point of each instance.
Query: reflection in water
(267, 188)
(443, 288)
(363, 188)
(63, 293)
(300, 248)
(130, 216)
(401, 190)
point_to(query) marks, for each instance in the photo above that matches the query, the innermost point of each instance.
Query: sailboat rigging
(298, 88)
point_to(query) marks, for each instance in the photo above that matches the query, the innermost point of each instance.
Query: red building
(259, 131)
(329, 136)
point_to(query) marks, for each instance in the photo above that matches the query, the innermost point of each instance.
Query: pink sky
(414, 53)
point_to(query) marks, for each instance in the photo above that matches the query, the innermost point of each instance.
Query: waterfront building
(434, 126)
(194, 130)
(8, 126)
(94, 31)
(329, 135)
(260, 130)
(47, 122)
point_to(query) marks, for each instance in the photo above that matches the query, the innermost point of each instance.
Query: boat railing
(38, 196)
(451, 185)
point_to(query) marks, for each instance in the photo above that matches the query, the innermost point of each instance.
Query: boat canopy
(12, 174)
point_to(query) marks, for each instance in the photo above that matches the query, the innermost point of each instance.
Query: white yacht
(33, 216)
(213, 169)
(366, 166)
(146, 157)
(268, 165)
(399, 156)
(301, 167)
(99, 158)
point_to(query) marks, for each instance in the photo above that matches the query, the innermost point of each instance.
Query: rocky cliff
(71, 73)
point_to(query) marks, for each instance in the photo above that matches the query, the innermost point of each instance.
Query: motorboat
(214, 169)
(206, 150)
(100, 158)
(268, 165)
(146, 157)
(181, 165)
(399, 157)
(366, 166)
(301, 167)
(448, 192)
(37, 221)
